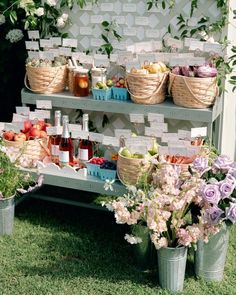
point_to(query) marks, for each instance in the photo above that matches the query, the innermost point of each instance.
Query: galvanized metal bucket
(171, 268)
(7, 212)
(210, 257)
(144, 251)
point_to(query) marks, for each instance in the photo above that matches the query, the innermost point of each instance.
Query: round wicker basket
(46, 79)
(130, 170)
(192, 92)
(147, 88)
(35, 149)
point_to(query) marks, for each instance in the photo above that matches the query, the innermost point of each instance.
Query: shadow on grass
(83, 243)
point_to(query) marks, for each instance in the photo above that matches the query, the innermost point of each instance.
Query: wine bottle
(85, 145)
(55, 138)
(66, 145)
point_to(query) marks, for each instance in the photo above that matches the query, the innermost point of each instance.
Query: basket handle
(154, 92)
(171, 81)
(198, 100)
(44, 90)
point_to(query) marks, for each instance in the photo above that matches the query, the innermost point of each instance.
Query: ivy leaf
(105, 120)
(105, 38)
(13, 16)
(105, 23)
(163, 4)
(169, 29)
(150, 4)
(118, 37)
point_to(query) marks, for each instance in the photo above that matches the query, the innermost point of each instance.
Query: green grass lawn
(58, 249)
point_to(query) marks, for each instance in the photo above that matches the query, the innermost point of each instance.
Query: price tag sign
(12, 127)
(169, 136)
(153, 117)
(47, 55)
(178, 61)
(86, 59)
(34, 54)
(196, 61)
(32, 45)
(55, 130)
(149, 131)
(187, 41)
(44, 104)
(45, 43)
(18, 118)
(124, 57)
(69, 42)
(39, 114)
(182, 151)
(98, 137)
(24, 111)
(126, 133)
(75, 127)
(54, 51)
(83, 134)
(175, 43)
(213, 47)
(136, 118)
(139, 149)
(143, 47)
(66, 51)
(56, 41)
(177, 143)
(196, 45)
(199, 132)
(163, 150)
(184, 134)
(110, 140)
(33, 34)
(159, 126)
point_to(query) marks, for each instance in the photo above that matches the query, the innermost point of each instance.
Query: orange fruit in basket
(83, 84)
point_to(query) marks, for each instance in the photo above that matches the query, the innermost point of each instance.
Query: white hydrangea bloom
(2, 19)
(132, 239)
(51, 2)
(14, 35)
(64, 16)
(39, 11)
(60, 22)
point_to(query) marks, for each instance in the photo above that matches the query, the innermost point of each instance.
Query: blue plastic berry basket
(93, 169)
(101, 94)
(107, 174)
(120, 93)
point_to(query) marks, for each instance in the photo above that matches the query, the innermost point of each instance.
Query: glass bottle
(98, 75)
(85, 152)
(81, 82)
(55, 139)
(66, 145)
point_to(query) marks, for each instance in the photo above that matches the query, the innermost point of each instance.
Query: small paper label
(146, 58)
(83, 154)
(187, 41)
(107, 7)
(159, 126)
(55, 52)
(213, 47)
(12, 127)
(124, 57)
(153, 117)
(129, 7)
(184, 134)
(138, 149)
(45, 43)
(66, 51)
(33, 34)
(196, 61)
(47, 55)
(196, 45)
(181, 151)
(178, 143)
(110, 140)
(82, 134)
(44, 104)
(86, 59)
(56, 41)
(75, 127)
(98, 137)
(199, 132)
(34, 54)
(126, 133)
(136, 118)
(175, 43)
(149, 131)
(18, 118)
(23, 111)
(69, 42)
(169, 136)
(32, 45)
(39, 114)
(54, 130)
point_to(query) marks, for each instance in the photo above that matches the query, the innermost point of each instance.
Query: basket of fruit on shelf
(28, 146)
(102, 168)
(102, 90)
(119, 90)
(148, 84)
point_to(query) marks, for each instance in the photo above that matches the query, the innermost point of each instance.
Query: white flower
(60, 22)
(132, 189)
(2, 19)
(3, 149)
(51, 2)
(14, 35)
(39, 11)
(108, 184)
(24, 3)
(64, 16)
(132, 239)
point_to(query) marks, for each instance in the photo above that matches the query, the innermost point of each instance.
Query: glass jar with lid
(98, 75)
(81, 82)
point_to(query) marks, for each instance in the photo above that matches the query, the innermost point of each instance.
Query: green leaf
(105, 38)
(163, 4)
(150, 4)
(13, 16)
(105, 23)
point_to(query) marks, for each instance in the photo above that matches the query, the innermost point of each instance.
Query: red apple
(27, 126)
(37, 126)
(43, 134)
(20, 137)
(34, 132)
(42, 124)
(9, 135)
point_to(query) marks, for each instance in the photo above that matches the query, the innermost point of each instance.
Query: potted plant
(13, 183)
(218, 208)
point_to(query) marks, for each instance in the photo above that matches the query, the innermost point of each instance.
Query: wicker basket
(35, 149)
(130, 170)
(71, 81)
(147, 88)
(46, 79)
(192, 92)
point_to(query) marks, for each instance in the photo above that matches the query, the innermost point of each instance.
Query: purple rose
(232, 172)
(200, 164)
(213, 215)
(226, 188)
(230, 212)
(211, 193)
(222, 163)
